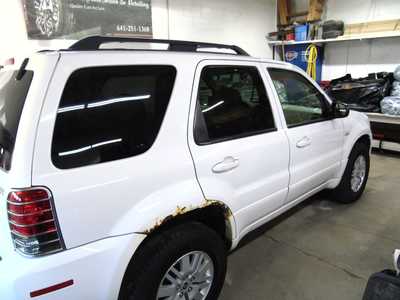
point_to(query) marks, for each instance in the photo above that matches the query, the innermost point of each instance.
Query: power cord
(312, 56)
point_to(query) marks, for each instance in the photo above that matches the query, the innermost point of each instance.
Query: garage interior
(319, 249)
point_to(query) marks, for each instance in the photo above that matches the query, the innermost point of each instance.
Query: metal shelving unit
(359, 37)
(386, 131)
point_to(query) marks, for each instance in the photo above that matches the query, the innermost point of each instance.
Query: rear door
(237, 142)
(316, 139)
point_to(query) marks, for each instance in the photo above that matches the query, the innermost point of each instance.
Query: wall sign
(74, 19)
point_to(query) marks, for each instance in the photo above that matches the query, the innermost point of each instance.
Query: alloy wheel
(189, 278)
(358, 173)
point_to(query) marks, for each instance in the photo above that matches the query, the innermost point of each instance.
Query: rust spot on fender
(227, 211)
(183, 210)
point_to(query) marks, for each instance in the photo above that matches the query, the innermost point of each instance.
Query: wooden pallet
(372, 27)
(284, 12)
(287, 17)
(315, 10)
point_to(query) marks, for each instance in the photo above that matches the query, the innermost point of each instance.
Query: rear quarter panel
(19, 176)
(128, 195)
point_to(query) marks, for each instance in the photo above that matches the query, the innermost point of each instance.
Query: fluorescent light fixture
(213, 106)
(106, 143)
(117, 100)
(75, 151)
(102, 103)
(70, 108)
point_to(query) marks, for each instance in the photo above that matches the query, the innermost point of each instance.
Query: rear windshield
(110, 113)
(12, 99)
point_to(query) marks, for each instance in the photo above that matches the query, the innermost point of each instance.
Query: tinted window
(301, 101)
(110, 113)
(232, 102)
(12, 99)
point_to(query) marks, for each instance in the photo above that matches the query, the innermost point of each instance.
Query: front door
(316, 139)
(240, 152)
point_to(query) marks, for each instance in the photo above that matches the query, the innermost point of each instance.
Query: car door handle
(304, 142)
(229, 163)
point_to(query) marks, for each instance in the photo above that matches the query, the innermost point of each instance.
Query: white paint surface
(244, 23)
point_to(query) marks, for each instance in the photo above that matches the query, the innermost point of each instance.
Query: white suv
(130, 174)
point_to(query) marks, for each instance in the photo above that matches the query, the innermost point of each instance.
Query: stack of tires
(391, 105)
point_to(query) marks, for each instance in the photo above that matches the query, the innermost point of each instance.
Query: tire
(158, 254)
(345, 193)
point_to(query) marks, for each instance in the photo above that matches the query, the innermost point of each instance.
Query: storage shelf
(382, 118)
(384, 145)
(359, 37)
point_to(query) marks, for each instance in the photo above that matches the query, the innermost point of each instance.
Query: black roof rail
(94, 43)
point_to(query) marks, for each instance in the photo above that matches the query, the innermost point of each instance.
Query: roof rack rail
(94, 43)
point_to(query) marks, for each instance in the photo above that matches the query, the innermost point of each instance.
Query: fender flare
(159, 209)
(347, 150)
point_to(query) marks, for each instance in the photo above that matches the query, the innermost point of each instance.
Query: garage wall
(245, 23)
(226, 21)
(13, 38)
(361, 57)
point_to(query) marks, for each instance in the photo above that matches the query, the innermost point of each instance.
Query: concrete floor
(320, 249)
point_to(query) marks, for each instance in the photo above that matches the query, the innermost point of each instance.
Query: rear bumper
(97, 270)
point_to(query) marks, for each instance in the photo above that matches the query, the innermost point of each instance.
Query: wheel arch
(365, 138)
(213, 214)
(357, 130)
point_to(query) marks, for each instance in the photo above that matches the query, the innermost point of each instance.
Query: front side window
(110, 113)
(301, 101)
(232, 102)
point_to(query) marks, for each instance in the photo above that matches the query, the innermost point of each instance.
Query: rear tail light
(33, 223)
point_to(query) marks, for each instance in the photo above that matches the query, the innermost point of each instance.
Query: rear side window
(232, 103)
(110, 113)
(13, 93)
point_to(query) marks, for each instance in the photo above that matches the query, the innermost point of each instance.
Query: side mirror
(340, 110)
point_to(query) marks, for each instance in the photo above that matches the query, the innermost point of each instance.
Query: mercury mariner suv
(130, 174)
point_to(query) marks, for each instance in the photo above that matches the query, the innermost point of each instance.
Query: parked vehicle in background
(140, 170)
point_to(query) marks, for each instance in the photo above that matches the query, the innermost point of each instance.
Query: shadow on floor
(258, 232)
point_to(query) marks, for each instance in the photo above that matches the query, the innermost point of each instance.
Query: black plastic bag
(362, 94)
